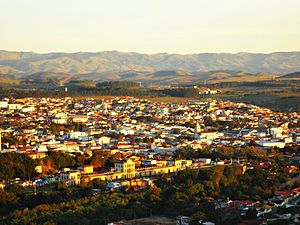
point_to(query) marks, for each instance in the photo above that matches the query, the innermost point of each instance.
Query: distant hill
(295, 75)
(49, 75)
(158, 77)
(110, 62)
(8, 80)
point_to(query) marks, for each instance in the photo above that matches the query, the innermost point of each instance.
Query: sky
(150, 26)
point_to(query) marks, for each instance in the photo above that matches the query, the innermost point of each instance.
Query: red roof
(285, 193)
(245, 202)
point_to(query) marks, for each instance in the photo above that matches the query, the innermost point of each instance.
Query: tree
(13, 165)
(60, 160)
(195, 190)
(8, 201)
(16, 189)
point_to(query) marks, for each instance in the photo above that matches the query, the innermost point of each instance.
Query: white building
(270, 144)
(3, 105)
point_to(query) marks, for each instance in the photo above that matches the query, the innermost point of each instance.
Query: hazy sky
(150, 26)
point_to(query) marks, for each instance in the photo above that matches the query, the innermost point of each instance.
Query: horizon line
(135, 52)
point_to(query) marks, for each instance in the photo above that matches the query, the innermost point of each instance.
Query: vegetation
(59, 160)
(190, 192)
(15, 165)
(117, 84)
(187, 193)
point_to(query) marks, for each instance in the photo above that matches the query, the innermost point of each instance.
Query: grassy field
(279, 101)
(4, 82)
(245, 78)
(271, 101)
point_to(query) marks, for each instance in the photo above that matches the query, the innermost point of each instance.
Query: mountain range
(25, 63)
(146, 68)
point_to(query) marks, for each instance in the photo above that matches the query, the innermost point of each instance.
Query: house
(3, 104)
(70, 177)
(37, 155)
(124, 145)
(88, 169)
(205, 160)
(149, 162)
(15, 106)
(196, 145)
(60, 120)
(206, 91)
(77, 135)
(210, 135)
(38, 168)
(243, 205)
(79, 119)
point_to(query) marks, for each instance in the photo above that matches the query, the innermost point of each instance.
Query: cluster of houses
(146, 133)
(282, 208)
(137, 127)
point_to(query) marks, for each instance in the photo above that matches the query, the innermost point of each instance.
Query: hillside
(112, 61)
(8, 80)
(158, 77)
(295, 75)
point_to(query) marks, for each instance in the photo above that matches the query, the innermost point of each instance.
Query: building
(104, 140)
(183, 220)
(3, 104)
(271, 144)
(70, 177)
(127, 167)
(88, 169)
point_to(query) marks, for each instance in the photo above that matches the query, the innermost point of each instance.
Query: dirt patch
(155, 220)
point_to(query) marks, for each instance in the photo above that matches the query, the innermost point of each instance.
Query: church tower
(197, 131)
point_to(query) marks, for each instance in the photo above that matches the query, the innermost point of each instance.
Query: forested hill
(99, 62)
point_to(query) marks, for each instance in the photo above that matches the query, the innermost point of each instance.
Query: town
(126, 144)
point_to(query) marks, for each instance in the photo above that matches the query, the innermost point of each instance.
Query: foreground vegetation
(189, 192)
